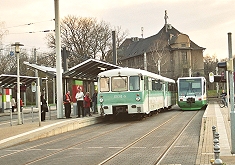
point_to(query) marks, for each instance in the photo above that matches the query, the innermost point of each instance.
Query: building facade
(169, 53)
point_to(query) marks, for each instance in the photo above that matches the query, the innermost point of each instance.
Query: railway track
(109, 130)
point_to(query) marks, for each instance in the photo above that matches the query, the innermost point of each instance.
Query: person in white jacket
(13, 104)
(79, 97)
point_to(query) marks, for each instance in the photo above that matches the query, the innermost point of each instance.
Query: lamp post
(17, 51)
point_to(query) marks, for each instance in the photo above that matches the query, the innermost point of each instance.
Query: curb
(49, 130)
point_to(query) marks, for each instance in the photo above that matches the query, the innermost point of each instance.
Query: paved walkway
(219, 117)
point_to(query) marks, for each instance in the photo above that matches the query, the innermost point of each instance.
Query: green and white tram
(134, 92)
(192, 93)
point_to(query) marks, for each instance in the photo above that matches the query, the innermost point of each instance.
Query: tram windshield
(119, 84)
(134, 83)
(104, 84)
(189, 87)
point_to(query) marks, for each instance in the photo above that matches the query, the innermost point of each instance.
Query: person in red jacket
(21, 105)
(67, 104)
(87, 104)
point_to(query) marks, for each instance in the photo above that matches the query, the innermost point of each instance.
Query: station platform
(12, 134)
(213, 116)
(220, 118)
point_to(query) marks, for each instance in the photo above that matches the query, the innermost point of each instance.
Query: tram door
(164, 95)
(146, 88)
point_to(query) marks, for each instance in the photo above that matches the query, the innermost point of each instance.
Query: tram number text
(119, 96)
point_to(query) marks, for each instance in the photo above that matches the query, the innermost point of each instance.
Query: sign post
(211, 77)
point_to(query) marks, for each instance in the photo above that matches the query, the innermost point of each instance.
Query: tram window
(104, 84)
(156, 85)
(134, 83)
(119, 84)
(196, 87)
(171, 87)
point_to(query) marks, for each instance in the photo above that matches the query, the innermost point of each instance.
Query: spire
(142, 32)
(166, 17)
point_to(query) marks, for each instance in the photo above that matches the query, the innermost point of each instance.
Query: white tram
(134, 92)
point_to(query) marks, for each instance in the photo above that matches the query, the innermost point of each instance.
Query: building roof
(142, 46)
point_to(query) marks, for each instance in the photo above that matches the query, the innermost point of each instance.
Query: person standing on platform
(21, 105)
(13, 104)
(87, 104)
(79, 97)
(44, 108)
(94, 101)
(67, 104)
(223, 95)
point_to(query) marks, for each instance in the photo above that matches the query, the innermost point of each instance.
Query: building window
(183, 45)
(185, 72)
(184, 57)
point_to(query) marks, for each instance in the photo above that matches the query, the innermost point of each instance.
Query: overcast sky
(207, 22)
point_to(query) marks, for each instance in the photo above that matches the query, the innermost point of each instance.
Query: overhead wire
(44, 31)
(27, 24)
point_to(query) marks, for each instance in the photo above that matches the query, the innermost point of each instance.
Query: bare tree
(85, 38)
(120, 37)
(158, 56)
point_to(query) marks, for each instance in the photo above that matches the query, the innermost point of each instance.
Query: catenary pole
(231, 84)
(17, 51)
(59, 88)
(36, 75)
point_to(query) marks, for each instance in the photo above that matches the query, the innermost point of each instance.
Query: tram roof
(133, 71)
(190, 78)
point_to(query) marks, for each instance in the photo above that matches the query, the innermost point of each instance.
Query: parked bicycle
(222, 101)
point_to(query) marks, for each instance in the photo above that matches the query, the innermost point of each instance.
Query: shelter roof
(9, 81)
(49, 70)
(88, 70)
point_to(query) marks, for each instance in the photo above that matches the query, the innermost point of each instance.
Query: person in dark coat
(223, 95)
(43, 108)
(94, 101)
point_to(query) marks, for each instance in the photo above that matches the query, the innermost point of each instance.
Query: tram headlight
(101, 100)
(137, 98)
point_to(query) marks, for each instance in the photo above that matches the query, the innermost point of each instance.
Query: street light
(17, 51)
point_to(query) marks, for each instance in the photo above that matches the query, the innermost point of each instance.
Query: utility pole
(114, 48)
(145, 61)
(36, 75)
(231, 84)
(217, 84)
(59, 88)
